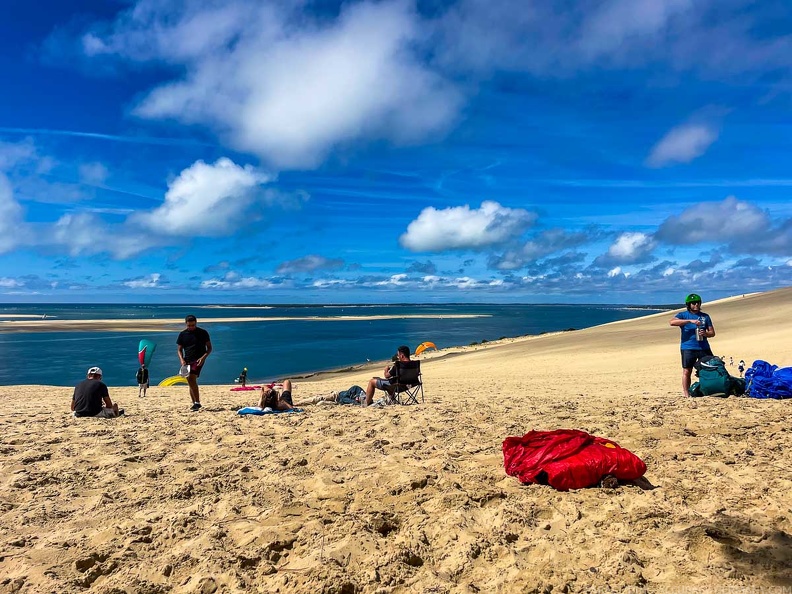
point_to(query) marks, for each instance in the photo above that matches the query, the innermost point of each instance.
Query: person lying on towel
(277, 400)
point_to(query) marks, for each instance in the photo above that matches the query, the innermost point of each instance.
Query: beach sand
(414, 499)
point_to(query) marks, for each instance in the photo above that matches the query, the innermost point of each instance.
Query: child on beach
(142, 378)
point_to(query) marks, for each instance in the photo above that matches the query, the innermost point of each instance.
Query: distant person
(91, 398)
(277, 400)
(242, 379)
(731, 362)
(384, 383)
(696, 327)
(193, 347)
(741, 367)
(142, 378)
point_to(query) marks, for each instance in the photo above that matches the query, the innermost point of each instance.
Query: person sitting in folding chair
(403, 376)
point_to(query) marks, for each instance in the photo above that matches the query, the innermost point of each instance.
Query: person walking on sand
(193, 347)
(91, 398)
(741, 367)
(696, 327)
(142, 378)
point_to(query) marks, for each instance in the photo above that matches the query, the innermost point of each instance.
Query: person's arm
(179, 353)
(206, 354)
(106, 398)
(675, 321)
(709, 331)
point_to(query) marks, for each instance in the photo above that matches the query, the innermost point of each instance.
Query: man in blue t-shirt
(696, 327)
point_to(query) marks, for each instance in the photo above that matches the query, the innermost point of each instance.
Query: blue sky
(625, 151)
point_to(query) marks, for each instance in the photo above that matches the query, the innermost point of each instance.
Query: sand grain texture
(413, 499)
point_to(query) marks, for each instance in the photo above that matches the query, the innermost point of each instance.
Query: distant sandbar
(169, 325)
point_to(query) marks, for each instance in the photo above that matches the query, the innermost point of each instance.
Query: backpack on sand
(714, 380)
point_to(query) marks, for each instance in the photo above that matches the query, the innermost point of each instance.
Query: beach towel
(764, 380)
(245, 388)
(568, 459)
(255, 410)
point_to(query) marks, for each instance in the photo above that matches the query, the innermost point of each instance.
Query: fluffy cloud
(682, 144)
(461, 227)
(310, 263)
(629, 248)
(205, 200)
(282, 85)
(718, 222)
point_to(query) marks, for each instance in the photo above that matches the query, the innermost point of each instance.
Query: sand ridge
(413, 499)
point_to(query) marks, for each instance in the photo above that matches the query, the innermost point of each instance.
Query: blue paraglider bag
(765, 380)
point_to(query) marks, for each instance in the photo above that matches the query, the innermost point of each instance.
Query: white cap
(95, 371)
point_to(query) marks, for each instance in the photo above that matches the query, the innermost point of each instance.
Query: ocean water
(269, 349)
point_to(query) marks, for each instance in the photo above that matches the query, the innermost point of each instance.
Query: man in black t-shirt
(91, 398)
(193, 347)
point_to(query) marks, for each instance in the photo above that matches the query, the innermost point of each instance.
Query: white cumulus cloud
(273, 81)
(205, 200)
(461, 227)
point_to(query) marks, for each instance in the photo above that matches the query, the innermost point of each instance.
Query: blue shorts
(691, 356)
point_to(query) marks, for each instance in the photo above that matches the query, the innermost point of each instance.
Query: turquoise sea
(269, 349)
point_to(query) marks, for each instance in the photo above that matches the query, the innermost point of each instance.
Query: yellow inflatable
(423, 346)
(173, 380)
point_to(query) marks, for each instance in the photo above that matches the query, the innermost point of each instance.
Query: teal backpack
(714, 380)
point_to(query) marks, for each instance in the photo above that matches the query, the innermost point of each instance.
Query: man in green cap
(696, 328)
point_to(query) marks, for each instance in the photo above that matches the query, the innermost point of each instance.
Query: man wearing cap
(695, 327)
(91, 398)
(193, 347)
(384, 383)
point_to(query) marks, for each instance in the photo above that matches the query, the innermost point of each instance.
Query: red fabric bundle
(571, 459)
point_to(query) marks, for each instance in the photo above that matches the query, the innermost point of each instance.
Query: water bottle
(701, 329)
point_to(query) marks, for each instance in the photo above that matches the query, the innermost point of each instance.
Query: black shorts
(286, 396)
(691, 356)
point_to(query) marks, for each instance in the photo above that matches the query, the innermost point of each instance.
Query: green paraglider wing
(146, 349)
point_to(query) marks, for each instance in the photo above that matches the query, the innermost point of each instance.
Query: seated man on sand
(384, 383)
(91, 398)
(271, 398)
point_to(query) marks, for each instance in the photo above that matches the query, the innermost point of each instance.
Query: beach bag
(568, 459)
(714, 379)
(764, 380)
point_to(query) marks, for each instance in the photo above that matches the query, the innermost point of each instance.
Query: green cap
(692, 298)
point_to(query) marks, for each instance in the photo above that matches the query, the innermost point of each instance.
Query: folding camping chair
(409, 383)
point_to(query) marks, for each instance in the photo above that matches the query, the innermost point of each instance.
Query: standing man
(384, 383)
(696, 327)
(193, 347)
(91, 398)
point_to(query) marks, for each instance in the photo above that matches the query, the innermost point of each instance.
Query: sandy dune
(414, 499)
